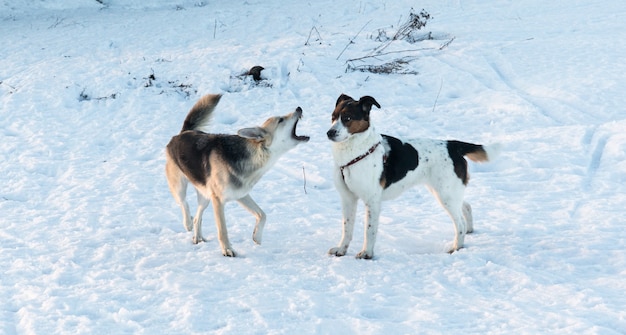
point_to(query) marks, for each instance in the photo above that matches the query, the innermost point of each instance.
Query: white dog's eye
(346, 118)
(280, 120)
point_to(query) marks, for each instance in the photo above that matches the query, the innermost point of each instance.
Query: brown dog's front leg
(249, 204)
(220, 223)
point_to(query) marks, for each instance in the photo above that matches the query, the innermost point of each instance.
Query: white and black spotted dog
(374, 167)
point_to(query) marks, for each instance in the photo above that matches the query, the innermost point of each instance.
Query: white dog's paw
(338, 251)
(454, 248)
(365, 255)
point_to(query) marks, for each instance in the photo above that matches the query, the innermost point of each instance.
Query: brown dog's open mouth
(295, 125)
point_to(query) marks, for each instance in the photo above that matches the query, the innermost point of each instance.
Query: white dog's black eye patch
(350, 115)
(348, 111)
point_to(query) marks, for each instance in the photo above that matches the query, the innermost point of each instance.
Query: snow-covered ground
(91, 241)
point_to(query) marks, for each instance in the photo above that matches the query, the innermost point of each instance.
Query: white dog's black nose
(332, 133)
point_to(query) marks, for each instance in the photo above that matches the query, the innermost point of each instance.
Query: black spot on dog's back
(400, 159)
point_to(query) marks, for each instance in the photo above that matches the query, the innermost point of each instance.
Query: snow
(91, 241)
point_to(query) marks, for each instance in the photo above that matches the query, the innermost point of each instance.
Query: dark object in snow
(255, 72)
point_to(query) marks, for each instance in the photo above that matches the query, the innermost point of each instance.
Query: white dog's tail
(199, 116)
(475, 152)
(492, 150)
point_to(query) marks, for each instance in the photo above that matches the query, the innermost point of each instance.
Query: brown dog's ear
(256, 134)
(366, 102)
(341, 98)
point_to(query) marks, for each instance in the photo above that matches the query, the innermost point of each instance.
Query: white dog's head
(350, 117)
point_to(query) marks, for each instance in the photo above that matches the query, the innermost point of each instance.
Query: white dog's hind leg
(459, 229)
(469, 220)
(372, 213)
(203, 202)
(220, 222)
(348, 206)
(248, 203)
(450, 197)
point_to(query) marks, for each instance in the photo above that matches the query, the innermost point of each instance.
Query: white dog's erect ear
(367, 102)
(254, 133)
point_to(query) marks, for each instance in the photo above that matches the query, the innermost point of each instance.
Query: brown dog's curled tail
(199, 116)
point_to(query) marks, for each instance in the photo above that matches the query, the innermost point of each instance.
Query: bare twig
(352, 39)
(439, 92)
(414, 22)
(3, 83)
(56, 23)
(370, 55)
(319, 37)
(446, 44)
(304, 176)
(388, 53)
(396, 66)
(86, 97)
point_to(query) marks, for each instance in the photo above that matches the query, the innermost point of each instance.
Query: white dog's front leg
(348, 205)
(222, 232)
(372, 212)
(252, 207)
